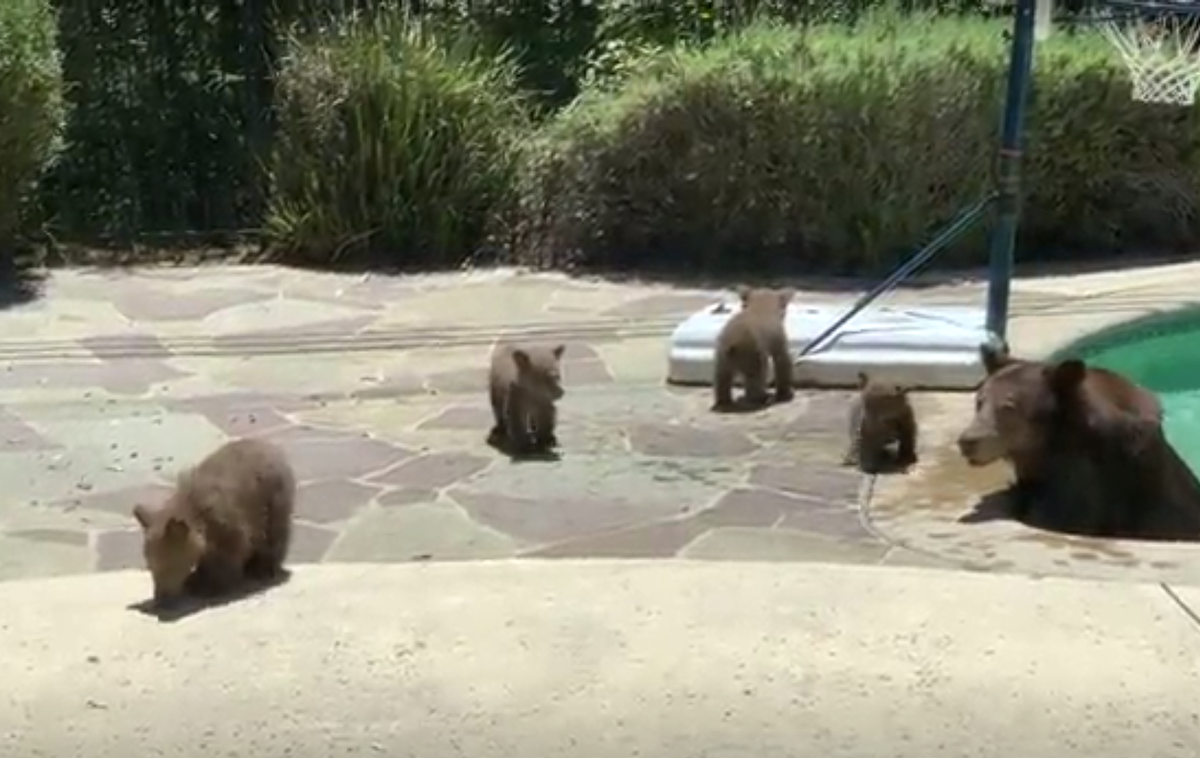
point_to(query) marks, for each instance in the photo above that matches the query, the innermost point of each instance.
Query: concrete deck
(651, 659)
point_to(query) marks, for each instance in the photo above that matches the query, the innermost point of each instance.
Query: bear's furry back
(1117, 475)
(241, 487)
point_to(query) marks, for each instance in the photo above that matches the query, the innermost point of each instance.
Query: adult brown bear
(1087, 447)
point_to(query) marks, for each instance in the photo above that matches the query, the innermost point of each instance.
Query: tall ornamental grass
(395, 144)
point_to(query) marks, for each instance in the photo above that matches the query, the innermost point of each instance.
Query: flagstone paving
(112, 382)
(374, 387)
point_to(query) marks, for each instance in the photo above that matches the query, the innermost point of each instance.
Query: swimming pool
(1162, 353)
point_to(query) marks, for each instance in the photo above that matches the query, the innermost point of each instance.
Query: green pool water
(1161, 354)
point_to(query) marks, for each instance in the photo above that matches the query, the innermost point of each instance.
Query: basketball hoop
(1160, 43)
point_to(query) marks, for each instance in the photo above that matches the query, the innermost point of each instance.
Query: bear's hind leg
(266, 563)
(545, 421)
(517, 424)
(782, 363)
(907, 434)
(754, 378)
(723, 383)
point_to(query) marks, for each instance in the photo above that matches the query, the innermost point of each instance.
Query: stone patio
(113, 381)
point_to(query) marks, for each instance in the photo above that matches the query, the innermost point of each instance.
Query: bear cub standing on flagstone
(228, 520)
(754, 338)
(524, 383)
(880, 416)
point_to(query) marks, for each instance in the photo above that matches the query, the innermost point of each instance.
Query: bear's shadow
(743, 405)
(191, 604)
(740, 406)
(502, 446)
(994, 506)
(1000, 505)
(889, 463)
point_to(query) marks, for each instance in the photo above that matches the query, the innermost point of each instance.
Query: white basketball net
(1162, 57)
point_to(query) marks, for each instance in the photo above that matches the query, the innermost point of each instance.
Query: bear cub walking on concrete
(754, 340)
(228, 520)
(880, 416)
(524, 383)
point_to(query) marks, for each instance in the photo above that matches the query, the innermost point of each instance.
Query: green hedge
(31, 105)
(170, 99)
(390, 143)
(838, 149)
(167, 102)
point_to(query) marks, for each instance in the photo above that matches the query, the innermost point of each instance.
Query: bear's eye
(978, 403)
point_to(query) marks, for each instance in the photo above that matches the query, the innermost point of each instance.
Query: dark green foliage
(31, 106)
(393, 145)
(837, 149)
(171, 99)
(548, 40)
(169, 104)
(836, 143)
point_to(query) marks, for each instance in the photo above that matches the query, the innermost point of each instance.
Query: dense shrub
(31, 104)
(168, 106)
(625, 26)
(549, 40)
(838, 148)
(170, 99)
(391, 141)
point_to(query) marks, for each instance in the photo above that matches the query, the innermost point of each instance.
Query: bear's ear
(994, 357)
(743, 292)
(1066, 376)
(785, 296)
(863, 380)
(142, 513)
(558, 351)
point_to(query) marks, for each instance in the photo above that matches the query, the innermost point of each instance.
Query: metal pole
(1008, 169)
(944, 238)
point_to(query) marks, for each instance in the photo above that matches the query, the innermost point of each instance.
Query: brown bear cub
(754, 340)
(228, 520)
(880, 416)
(524, 384)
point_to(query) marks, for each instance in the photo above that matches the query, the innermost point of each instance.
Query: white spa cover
(931, 347)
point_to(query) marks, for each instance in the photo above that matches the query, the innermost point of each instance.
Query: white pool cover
(927, 347)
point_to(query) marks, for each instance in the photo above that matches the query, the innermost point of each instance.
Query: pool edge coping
(1085, 345)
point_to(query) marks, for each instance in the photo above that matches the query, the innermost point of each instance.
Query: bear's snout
(979, 450)
(967, 447)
